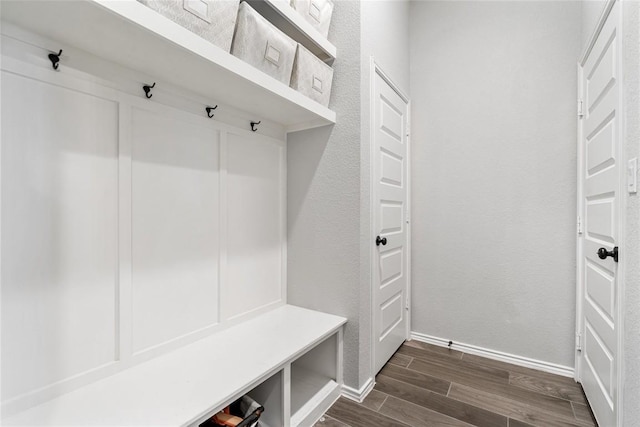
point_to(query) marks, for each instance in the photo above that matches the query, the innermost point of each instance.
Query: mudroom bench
(288, 359)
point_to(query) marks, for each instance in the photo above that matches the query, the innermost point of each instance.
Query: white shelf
(308, 391)
(130, 34)
(190, 384)
(289, 21)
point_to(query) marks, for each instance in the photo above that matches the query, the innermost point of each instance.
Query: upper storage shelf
(283, 16)
(130, 34)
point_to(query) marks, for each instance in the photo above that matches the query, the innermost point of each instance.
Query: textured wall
(493, 88)
(385, 36)
(323, 168)
(631, 78)
(329, 248)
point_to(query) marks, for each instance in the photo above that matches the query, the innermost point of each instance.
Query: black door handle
(603, 253)
(379, 240)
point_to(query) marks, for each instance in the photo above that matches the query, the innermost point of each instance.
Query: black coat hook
(209, 111)
(253, 125)
(147, 89)
(55, 59)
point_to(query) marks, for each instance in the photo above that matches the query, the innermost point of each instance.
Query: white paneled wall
(59, 233)
(255, 179)
(129, 228)
(175, 227)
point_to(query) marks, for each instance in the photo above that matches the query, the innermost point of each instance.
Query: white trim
(1, 65)
(579, 237)
(540, 365)
(286, 395)
(284, 287)
(388, 80)
(408, 223)
(372, 254)
(622, 222)
(360, 394)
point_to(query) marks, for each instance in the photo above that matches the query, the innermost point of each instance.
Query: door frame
(375, 69)
(622, 193)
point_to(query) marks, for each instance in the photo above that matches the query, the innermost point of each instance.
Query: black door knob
(379, 241)
(603, 253)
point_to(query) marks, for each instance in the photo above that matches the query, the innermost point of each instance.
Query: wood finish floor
(425, 385)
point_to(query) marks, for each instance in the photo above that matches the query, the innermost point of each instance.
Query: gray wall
(385, 36)
(493, 89)
(329, 241)
(323, 192)
(631, 78)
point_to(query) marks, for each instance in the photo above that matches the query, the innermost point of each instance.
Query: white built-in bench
(288, 359)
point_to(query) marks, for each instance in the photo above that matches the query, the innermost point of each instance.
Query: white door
(599, 205)
(390, 195)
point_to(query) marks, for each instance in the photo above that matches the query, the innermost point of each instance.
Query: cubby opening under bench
(289, 359)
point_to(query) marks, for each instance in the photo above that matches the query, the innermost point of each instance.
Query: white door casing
(599, 211)
(390, 195)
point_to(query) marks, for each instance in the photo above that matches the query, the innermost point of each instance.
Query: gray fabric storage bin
(260, 44)
(311, 76)
(213, 20)
(316, 12)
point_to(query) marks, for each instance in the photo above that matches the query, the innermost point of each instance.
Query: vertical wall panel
(175, 227)
(254, 225)
(59, 233)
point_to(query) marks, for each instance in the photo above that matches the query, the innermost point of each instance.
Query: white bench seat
(191, 383)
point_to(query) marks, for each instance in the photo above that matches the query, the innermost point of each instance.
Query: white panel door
(600, 208)
(175, 226)
(390, 195)
(59, 234)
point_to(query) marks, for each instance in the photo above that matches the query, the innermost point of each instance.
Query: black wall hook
(209, 111)
(55, 59)
(147, 89)
(253, 125)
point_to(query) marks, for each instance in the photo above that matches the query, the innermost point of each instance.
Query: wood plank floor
(425, 385)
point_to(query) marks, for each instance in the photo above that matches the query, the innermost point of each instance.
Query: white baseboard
(358, 394)
(540, 365)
